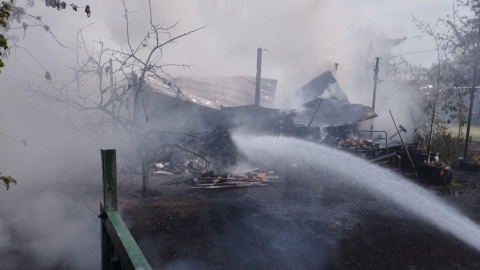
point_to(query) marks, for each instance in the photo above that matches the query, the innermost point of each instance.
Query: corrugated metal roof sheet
(324, 85)
(235, 96)
(215, 92)
(332, 112)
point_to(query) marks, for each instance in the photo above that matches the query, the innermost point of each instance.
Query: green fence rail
(119, 249)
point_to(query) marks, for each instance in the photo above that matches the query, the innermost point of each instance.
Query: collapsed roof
(332, 112)
(234, 96)
(253, 115)
(216, 92)
(324, 85)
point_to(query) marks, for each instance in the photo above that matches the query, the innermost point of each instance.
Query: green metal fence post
(109, 179)
(109, 166)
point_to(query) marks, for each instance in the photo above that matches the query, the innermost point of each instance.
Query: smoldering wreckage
(215, 107)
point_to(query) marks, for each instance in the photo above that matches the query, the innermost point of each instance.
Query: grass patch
(474, 146)
(474, 131)
(455, 184)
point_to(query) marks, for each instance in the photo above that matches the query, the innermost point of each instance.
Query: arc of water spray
(385, 184)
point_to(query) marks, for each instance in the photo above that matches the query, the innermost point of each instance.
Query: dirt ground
(294, 223)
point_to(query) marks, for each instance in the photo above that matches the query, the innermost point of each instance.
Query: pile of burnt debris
(216, 157)
(211, 165)
(215, 150)
(242, 178)
(326, 118)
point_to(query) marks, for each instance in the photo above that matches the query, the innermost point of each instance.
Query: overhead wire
(24, 141)
(429, 50)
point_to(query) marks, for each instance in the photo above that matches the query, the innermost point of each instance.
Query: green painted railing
(119, 249)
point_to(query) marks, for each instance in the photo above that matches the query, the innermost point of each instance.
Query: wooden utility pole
(259, 76)
(472, 97)
(375, 80)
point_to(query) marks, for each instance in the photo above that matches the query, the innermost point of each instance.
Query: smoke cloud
(50, 216)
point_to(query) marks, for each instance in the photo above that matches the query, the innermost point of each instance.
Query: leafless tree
(119, 103)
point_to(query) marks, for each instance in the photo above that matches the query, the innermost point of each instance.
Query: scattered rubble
(323, 115)
(250, 179)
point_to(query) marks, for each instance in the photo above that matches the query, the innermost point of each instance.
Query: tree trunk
(145, 179)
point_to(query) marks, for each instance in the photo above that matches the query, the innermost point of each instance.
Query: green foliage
(4, 15)
(465, 31)
(17, 16)
(7, 181)
(449, 146)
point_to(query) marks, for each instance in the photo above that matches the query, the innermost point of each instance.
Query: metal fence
(119, 249)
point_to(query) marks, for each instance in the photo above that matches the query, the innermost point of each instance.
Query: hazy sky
(393, 18)
(389, 17)
(304, 37)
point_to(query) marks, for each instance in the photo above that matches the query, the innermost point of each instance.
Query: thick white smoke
(40, 217)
